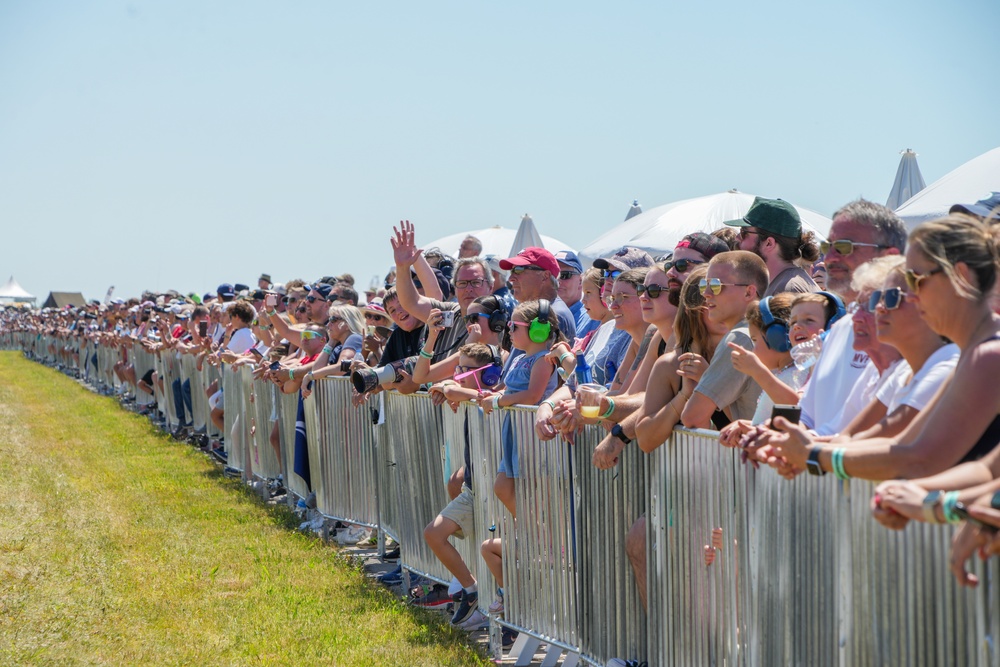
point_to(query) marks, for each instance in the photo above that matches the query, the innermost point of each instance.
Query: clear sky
(182, 144)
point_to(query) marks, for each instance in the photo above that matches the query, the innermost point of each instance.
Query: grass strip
(119, 546)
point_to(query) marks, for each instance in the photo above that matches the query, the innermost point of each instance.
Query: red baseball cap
(533, 256)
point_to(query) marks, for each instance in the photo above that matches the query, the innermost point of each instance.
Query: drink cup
(588, 399)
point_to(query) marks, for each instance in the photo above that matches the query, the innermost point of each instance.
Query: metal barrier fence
(803, 575)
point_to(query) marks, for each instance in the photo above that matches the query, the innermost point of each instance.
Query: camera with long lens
(365, 379)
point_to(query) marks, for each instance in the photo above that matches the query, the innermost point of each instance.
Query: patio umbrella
(527, 236)
(659, 229)
(967, 184)
(909, 180)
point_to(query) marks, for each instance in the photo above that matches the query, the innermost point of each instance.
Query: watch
(620, 434)
(931, 501)
(812, 463)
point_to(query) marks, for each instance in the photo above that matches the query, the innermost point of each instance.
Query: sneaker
(352, 535)
(466, 606)
(476, 621)
(436, 598)
(618, 662)
(508, 637)
(391, 555)
(391, 578)
(496, 607)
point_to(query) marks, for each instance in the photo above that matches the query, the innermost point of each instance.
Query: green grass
(119, 546)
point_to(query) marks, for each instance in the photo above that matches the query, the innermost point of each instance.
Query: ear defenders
(491, 374)
(541, 328)
(839, 310)
(497, 321)
(775, 330)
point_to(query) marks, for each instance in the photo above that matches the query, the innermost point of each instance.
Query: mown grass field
(119, 546)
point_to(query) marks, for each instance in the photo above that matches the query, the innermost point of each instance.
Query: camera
(447, 318)
(345, 365)
(365, 379)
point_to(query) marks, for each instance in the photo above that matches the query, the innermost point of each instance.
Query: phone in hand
(790, 412)
(447, 318)
(271, 301)
(203, 328)
(276, 365)
(255, 352)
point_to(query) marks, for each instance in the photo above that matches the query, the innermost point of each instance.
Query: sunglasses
(745, 232)
(314, 299)
(333, 320)
(472, 318)
(475, 284)
(682, 265)
(466, 371)
(515, 324)
(373, 316)
(651, 291)
(611, 273)
(621, 298)
(891, 298)
(518, 270)
(715, 286)
(913, 279)
(846, 247)
(311, 335)
(566, 275)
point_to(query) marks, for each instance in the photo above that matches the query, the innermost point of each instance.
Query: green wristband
(291, 373)
(611, 408)
(948, 507)
(837, 459)
(426, 355)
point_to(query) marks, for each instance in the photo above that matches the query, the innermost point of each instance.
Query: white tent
(496, 241)
(967, 184)
(659, 229)
(909, 181)
(12, 292)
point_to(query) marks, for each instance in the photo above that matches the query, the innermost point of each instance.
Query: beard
(674, 295)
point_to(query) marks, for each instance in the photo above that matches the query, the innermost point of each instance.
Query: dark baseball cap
(569, 258)
(625, 258)
(984, 208)
(709, 246)
(775, 216)
(225, 290)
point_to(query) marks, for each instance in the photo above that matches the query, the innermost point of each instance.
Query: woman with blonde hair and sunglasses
(951, 270)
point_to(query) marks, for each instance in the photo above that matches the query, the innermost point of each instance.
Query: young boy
(457, 517)
(734, 279)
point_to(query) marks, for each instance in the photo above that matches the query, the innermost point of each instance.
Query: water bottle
(583, 374)
(807, 352)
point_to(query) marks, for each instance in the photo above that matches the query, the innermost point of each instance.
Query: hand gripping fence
(800, 573)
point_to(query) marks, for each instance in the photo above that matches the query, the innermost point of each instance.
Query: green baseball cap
(775, 216)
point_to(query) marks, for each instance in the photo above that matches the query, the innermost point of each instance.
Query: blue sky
(290, 137)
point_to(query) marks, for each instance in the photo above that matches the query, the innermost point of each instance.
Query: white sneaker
(477, 621)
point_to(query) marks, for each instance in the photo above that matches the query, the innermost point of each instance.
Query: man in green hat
(772, 230)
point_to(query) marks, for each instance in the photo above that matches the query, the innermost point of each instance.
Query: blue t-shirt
(584, 325)
(609, 359)
(517, 373)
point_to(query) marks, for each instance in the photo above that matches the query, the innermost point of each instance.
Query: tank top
(990, 437)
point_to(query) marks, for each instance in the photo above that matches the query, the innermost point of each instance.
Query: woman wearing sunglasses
(344, 330)
(951, 269)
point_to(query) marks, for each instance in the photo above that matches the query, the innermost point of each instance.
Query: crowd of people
(869, 354)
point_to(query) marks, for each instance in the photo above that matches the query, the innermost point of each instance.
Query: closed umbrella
(909, 181)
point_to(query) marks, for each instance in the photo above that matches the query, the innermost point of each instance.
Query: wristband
(564, 355)
(812, 463)
(948, 507)
(838, 463)
(611, 408)
(291, 373)
(995, 501)
(426, 355)
(496, 401)
(552, 405)
(273, 313)
(927, 506)
(327, 350)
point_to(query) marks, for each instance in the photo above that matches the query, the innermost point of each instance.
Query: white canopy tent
(659, 229)
(12, 292)
(909, 181)
(969, 183)
(500, 241)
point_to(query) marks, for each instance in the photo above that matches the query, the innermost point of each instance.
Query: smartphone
(961, 510)
(271, 300)
(790, 412)
(275, 366)
(255, 352)
(447, 318)
(383, 332)
(203, 328)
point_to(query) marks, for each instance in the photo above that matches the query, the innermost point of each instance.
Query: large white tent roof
(12, 290)
(496, 241)
(659, 229)
(969, 183)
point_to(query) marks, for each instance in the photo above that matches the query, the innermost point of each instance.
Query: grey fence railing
(801, 575)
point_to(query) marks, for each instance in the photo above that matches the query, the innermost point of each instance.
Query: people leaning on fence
(951, 269)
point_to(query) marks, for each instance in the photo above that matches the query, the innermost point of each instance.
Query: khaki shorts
(461, 511)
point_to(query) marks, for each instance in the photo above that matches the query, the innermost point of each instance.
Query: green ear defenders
(541, 328)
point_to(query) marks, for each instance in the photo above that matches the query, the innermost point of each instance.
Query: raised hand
(404, 247)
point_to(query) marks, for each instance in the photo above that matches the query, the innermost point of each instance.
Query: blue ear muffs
(775, 330)
(540, 327)
(491, 374)
(839, 310)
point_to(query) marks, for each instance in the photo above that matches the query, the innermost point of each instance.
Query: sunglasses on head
(715, 286)
(682, 265)
(566, 275)
(651, 291)
(913, 279)
(891, 299)
(518, 270)
(845, 247)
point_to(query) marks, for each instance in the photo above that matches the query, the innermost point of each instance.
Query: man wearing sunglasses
(772, 230)
(692, 250)
(534, 274)
(861, 231)
(571, 290)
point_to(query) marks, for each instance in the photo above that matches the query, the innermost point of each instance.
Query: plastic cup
(588, 399)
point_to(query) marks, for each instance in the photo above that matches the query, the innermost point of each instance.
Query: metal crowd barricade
(288, 405)
(346, 458)
(235, 423)
(199, 402)
(265, 463)
(142, 361)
